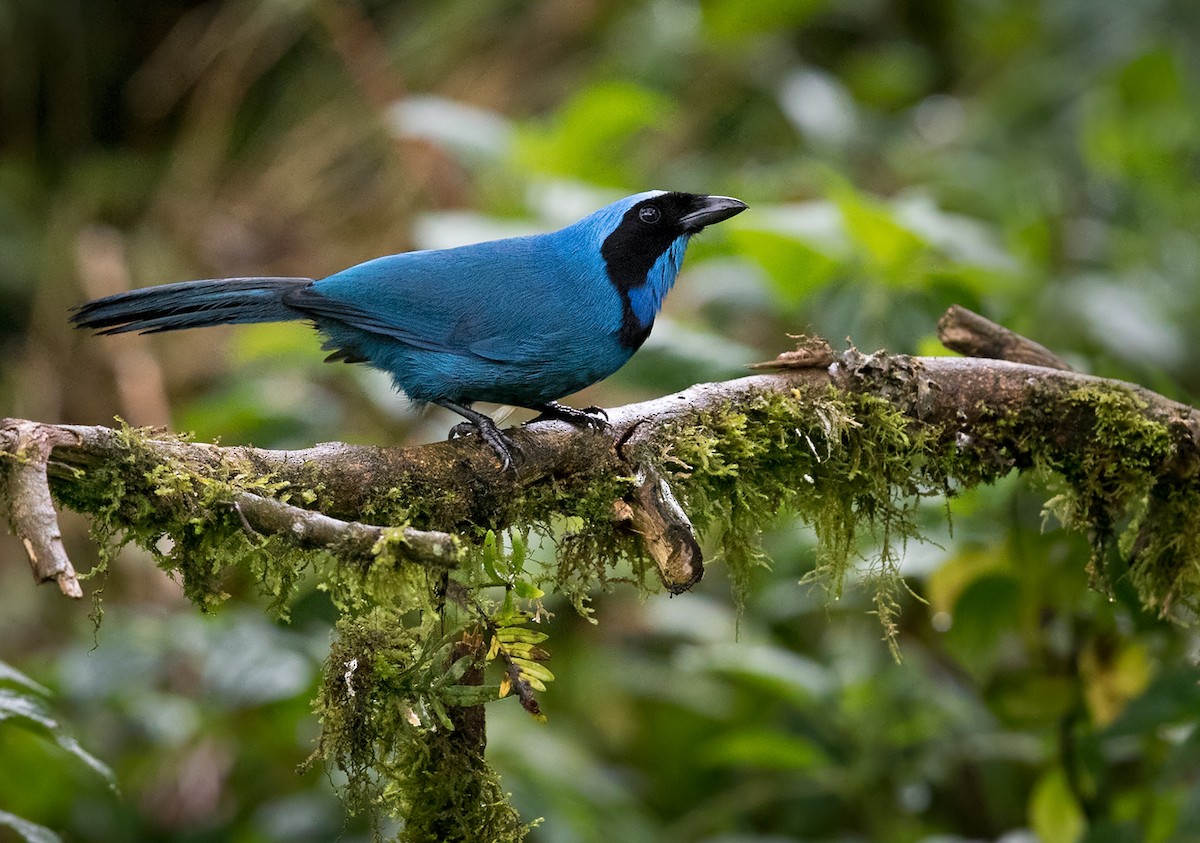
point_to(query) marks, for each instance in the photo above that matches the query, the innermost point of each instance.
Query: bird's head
(659, 216)
(642, 239)
(637, 231)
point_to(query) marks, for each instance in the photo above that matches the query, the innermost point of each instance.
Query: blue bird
(522, 321)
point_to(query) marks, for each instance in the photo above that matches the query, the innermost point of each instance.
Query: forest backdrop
(1034, 161)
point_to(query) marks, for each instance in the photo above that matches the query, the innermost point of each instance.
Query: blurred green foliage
(1033, 159)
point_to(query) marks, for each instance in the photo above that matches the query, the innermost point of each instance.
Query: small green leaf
(468, 695)
(517, 559)
(508, 614)
(527, 651)
(531, 668)
(510, 619)
(514, 634)
(443, 652)
(455, 672)
(533, 682)
(527, 590)
(494, 563)
(439, 711)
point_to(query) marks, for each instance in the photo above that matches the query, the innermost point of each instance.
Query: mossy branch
(401, 536)
(979, 418)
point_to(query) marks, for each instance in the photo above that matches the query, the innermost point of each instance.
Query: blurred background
(1036, 160)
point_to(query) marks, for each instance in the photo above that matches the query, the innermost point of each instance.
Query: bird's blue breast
(647, 300)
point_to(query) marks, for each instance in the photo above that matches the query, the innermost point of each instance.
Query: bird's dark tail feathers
(191, 304)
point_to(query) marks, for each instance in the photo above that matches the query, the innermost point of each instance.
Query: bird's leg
(477, 422)
(591, 417)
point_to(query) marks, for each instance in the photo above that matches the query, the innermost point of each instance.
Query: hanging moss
(1121, 491)
(850, 464)
(387, 724)
(185, 519)
(395, 701)
(842, 463)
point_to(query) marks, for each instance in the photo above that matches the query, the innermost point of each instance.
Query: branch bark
(951, 392)
(30, 509)
(311, 530)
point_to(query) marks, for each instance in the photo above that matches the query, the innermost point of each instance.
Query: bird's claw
(503, 447)
(597, 417)
(593, 418)
(461, 431)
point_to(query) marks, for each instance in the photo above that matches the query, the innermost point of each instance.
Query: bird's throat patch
(642, 264)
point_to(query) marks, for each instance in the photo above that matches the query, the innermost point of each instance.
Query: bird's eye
(650, 214)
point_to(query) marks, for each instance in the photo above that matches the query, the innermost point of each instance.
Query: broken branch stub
(973, 335)
(25, 447)
(666, 531)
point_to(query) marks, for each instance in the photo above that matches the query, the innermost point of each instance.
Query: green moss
(1127, 491)
(384, 723)
(593, 551)
(450, 794)
(186, 520)
(1122, 493)
(857, 467)
(1161, 547)
(853, 465)
(843, 463)
(591, 547)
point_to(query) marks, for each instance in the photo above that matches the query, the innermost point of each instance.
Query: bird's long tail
(191, 304)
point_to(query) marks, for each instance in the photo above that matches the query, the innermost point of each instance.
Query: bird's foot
(504, 448)
(593, 418)
(461, 431)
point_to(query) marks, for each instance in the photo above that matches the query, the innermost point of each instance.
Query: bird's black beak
(711, 209)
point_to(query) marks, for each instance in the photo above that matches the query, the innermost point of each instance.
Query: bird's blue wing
(503, 301)
(322, 308)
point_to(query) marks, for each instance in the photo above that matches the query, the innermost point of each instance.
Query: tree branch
(973, 335)
(311, 530)
(444, 487)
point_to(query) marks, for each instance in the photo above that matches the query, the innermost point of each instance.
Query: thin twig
(311, 530)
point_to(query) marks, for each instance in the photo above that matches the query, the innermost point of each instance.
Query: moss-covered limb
(853, 445)
(310, 530)
(1123, 460)
(985, 416)
(885, 430)
(445, 484)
